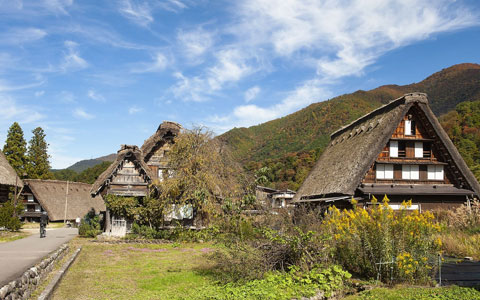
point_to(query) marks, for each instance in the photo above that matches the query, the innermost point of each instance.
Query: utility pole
(66, 204)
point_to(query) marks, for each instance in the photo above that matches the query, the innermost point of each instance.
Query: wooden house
(273, 198)
(127, 176)
(399, 150)
(8, 179)
(62, 200)
(156, 148)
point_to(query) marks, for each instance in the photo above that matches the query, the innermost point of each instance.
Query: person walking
(43, 224)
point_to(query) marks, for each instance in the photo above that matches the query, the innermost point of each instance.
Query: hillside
(89, 163)
(290, 145)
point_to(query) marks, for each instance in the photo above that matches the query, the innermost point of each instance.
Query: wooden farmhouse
(399, 150)
(8, 179)
(62, 200)
(133, 171)
(156, 148)
(273, 198)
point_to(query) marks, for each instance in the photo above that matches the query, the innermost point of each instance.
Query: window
(435, 172)
(160, 175)
(427, 150)
(30, 198)
(393, 148)
(410, 172)
(418, 149)
(384, 171)
(402, 149)
(409, 127)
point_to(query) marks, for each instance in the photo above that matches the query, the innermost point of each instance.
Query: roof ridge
(409, 97)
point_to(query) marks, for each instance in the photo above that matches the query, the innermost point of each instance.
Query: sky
(98, 74)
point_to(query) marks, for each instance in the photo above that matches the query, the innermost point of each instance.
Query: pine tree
(38, 164)
(15, 148)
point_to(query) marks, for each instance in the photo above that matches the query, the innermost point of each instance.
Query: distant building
(8, 179)
(61, 200)
(399, 150)
(273, 198)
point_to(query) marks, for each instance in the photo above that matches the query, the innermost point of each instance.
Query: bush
(9, 215)
(278, 285)
(90, 225)
(465, 217)
(404, 242)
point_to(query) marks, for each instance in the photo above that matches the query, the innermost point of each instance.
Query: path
(17, 256)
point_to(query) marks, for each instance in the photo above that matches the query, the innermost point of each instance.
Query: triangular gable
(130, 154)
(166, 132)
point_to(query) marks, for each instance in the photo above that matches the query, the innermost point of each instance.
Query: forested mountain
(289, 146)
(89, 163)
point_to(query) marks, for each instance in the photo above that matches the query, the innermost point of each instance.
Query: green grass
(130, 271)
(165, 271)
(418, 293)
(8, 236)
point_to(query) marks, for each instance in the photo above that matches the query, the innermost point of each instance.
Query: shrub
(90, 225)
(9, 215)
(278, 285)
(381, 242)
(465, 217)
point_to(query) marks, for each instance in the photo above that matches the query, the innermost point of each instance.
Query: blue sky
(98, 74)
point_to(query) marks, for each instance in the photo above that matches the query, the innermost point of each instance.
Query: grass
(8, 236)
(164, 271)
(418, 293)
(32, 225)
(461, 244)
(130, 271)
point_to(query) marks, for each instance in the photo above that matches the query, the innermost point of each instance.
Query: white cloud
(12, 111)
(5, 86)
(72, 60)
(57, 6)
(17, 36)
(134, 109)
(345, 38)
(251, 93)
(39, 93)
(137, 12)
(230, 66)
(92, 94)
(194, 44)
(250, 114)
(67, 97)
(158, 64)
(82, 114)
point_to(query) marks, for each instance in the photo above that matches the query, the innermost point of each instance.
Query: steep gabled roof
(126, 151)
(8, 176)
(51, 195)
(354, 148)
(166, 131)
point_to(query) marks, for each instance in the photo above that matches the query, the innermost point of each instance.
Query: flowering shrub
(381, 242)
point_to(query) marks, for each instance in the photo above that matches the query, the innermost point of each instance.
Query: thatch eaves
(52, 196)
(126, 151)
(166, 131)
(354, 148)
(8, 176)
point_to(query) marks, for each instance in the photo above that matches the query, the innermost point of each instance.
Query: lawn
(8, 236)
(418, 293)
(133, 271)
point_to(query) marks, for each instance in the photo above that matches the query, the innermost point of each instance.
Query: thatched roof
(51, 195)
(166, 131)
(126, 152)
(8, 176)
(354, 148)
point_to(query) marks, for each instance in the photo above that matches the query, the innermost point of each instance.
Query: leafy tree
(204, 173)
(15, 148)
(37, 155)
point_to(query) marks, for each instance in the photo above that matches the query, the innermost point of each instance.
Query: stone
(3, 292)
